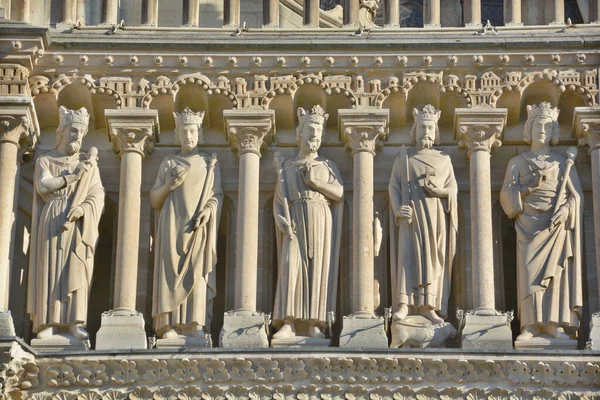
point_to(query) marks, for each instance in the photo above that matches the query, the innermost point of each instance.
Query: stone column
(596, 20)
(515, 13)
(132, 133)
(311, 13)
(18, 127)
(25, 10)
(392, 13)
(433, 19)
(248, 132)
(559, 13)
(586, 128)
(479, 130)
(150, 12)
(363, 131)
(474, 17)
(231, 10)
(351, 10)
(69, 11)
(111, 12)
(193, 13)
(270, 13)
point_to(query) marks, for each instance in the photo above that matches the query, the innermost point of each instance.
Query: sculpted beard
(426, 143)
(73, 147)
(313, 145)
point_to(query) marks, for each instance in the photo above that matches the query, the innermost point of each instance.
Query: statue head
(425, 131)
(72, 128)
(188, 128)
(310, 129)
(542, 124)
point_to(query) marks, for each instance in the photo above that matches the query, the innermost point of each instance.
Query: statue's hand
(285, 226)
(75, 213)
(82, 167)
(532, 184)
(202, 218)
(403, 212)
(560, 217)
(433, 190)
(309, 177)
(176, 177)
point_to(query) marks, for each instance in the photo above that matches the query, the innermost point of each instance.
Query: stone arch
(452, 97)
(539, 87)
(573, 96)
(422, 90)
(508, 97)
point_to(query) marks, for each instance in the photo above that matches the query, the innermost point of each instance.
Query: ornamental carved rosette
(586, 127)
(363, 130)
(479, 129)
(132, 130)
(249, 132)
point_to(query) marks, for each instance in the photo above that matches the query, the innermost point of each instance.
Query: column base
(60, 342)
(417, 331)
(122, 329)
(363, 332)
(594, 340)
(546, 343)
(244, 330)
(557, 23)
(514, 24)
(484, 331)
(432, 26)
(474, 25)
(7, 326)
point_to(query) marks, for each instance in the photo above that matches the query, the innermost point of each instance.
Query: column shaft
(26, 10)
(595, 155)
(475, 14)
(247, 233)
(351, 9)
(8, 175)
(482, 259)
(433, 19)
(363, 265)
(111, 12)
(69, 11)
(392, 13)
(559, 12)
(150, 12)
(193, 13)
(597, 15)
(128, 231)
(311, 13)
(231, 9)
(271, 13)
(515, 12)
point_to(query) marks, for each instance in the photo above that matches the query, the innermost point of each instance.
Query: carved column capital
(363, 130)
(479, 129)
(18, 122)
(132, 130)
(586, 127)
(249, 131)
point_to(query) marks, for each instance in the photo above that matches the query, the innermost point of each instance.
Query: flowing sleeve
(510, 196)
(574, 200)
(452, 188)
(93, 205)
(395, 185)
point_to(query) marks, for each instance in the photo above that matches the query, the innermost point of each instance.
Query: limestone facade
(368, 71)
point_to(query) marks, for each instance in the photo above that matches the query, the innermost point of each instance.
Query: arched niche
(192, 96)
(449, 102)
(284, 112)
(46, 108)
(537, 92)
(421, 94)
(307, 96)
(165, 106)
(511, 101)
(76, 95)
(335, 102)
(217, 103)
(101, 103)
(396, 103)
(566, 104)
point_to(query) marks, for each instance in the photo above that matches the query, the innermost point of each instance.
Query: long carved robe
(422, 255)
(184, 266)
(308, 265)
(549, 287)
(61, 262)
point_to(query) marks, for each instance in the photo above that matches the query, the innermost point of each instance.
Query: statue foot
(316, 332)
(171, 333)
(46, 332)
(527, 333)
(286, 331)
(401, 313)
(432, 316)
(558, 332)
(79, 332)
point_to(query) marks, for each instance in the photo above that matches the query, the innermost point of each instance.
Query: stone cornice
(22, 44)
(479, 129)
(132, 130)
(249, 131)
(363, 130)
(586, 126)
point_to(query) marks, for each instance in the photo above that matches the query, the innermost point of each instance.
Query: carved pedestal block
(363, 333)
(121, 329)
(60, 342)
(546, 343)
(486, 332)
(243, 331)
(594, 341)
(182, 342)
(301, 341)
(7, 327)
(418, 331)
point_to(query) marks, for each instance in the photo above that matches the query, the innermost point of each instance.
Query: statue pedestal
(243, 331)
(363, 333)
(181, 342)
(417, 331)
(121, 329)
(7, 326)
(546, 342)
(301, 341)
(595, 331)
(59, 342)
(486, 332)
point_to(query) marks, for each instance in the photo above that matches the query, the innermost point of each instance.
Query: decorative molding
(479, 129)
(132, 130)
(586, 127)
(363, 130)
(249, 131)
(18, 123)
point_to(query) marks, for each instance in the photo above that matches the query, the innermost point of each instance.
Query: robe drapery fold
(307, 266)
(549, 286)
(61, 260)
(426, 279)
(184, 268)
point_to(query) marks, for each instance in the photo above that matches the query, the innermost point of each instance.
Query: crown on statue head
(69, 116)
(315, 115)
(427, 113)
(544, 109)
(187, 117)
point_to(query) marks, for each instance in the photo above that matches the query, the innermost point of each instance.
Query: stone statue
(542, 192)
(423, 230)
(68, 200)
(187, 196)
(308, 217)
